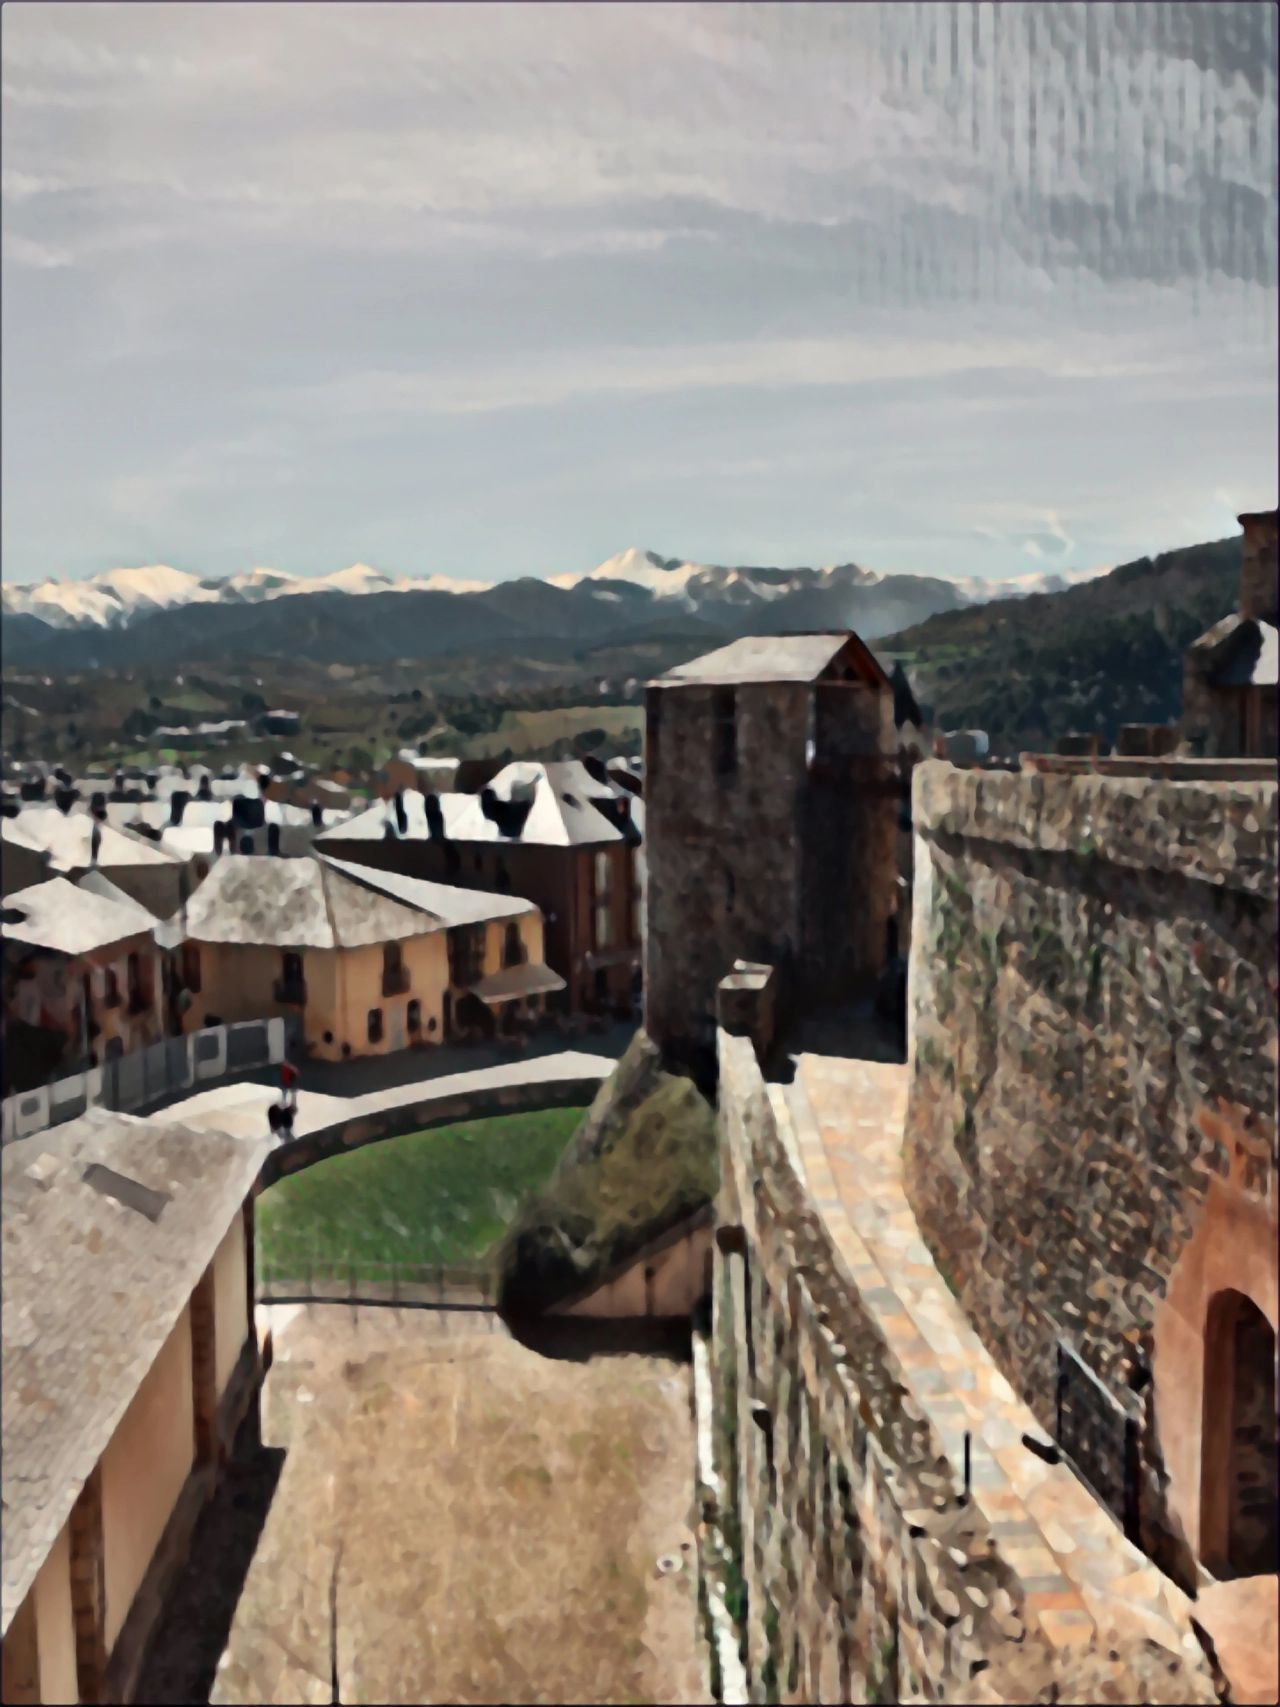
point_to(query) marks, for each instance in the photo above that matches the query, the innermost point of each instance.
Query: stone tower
(1259, 577)
(771, 815)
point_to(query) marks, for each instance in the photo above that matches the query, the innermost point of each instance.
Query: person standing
(288, 1085)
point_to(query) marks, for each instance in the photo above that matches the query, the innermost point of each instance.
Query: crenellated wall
(1091, 1139)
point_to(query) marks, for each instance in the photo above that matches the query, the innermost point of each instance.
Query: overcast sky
(486, 290)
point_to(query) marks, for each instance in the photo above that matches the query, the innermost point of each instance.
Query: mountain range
(126, 617)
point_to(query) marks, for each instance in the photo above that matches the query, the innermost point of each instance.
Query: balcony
(290, 992)
(395, 981)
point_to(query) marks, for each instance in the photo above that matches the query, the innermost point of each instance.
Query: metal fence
(133, 1084)
(338, 1279)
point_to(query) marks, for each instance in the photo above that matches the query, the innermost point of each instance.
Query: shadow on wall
(577, 1339)
(182, 1658)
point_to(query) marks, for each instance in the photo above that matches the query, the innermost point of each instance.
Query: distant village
(433, 900)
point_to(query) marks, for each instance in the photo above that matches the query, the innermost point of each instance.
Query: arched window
(1238, 1527)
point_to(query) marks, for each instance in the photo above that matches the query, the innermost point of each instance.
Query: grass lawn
(443, 1196)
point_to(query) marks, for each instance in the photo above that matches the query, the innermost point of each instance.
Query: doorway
(1238, 1495)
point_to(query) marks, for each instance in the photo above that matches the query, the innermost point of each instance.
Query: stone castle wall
(844, 1550)
(1093, 1074)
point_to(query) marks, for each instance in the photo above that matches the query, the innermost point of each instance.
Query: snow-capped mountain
(692, 583)
(118, 597)
(837, 593)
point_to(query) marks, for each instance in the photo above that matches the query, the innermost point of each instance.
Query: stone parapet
(1222, 833)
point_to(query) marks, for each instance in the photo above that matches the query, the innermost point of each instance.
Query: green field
(443, 1196)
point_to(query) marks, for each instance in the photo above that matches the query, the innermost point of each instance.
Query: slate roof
(295, 903)
(1238, 652)
(775, 658)
(67, 838)
(561, 813)
(67, 919)
(443, 902)
(91, 1292)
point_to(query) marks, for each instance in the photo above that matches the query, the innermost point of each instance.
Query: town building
(771, 784)
(83, 980)
(1230, 673)
(562, 834)
(366, 962)
(72, 843)
(130, 1364)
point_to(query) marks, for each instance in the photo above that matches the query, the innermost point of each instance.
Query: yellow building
(130, 1363)
(369, 961)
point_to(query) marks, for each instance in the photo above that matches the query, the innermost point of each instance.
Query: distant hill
(127, 618)
(1088, 658)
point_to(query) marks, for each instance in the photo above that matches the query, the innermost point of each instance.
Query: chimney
(178, 805)
(205, 790)
(219, 831)
(65, 798)
(98, 806)
(435, 817)
(95, 843)
(273, 838)
(402, 817)
(246, 844)
(317, 816)
(1259, 579)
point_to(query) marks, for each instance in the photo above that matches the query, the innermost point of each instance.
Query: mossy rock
(642, 1161)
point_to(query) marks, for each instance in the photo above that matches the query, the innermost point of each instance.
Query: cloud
(736, 261)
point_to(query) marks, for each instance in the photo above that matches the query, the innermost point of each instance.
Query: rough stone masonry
(1091, 1136)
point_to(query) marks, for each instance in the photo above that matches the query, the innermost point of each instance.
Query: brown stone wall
(788, 857)
(1093, 1001)
(852, 1565)
(1259, 593)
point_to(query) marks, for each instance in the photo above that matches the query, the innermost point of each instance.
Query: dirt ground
(459, 1518)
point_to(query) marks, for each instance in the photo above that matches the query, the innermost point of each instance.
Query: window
(512, 946)
(466, 955)
(602, 886)
(110, 988)
(395, 977)
(413, 1016)
(724, 723)
(375, 1025)
(191, 967)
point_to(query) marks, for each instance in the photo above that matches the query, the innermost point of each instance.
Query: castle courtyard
(458, 1518)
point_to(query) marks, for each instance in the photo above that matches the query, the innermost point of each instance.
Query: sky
(490, 290)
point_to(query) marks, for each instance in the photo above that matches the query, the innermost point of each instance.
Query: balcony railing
(290, 992)
(395, 981)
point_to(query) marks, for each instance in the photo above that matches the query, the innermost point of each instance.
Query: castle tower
(1259, 577)
(771, 803)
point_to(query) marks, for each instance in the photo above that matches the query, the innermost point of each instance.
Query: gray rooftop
(91, 1291)
(561, 813)
(443, 902)
(776, 658)
(70, 919)
(295, 903)
(67, 838)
